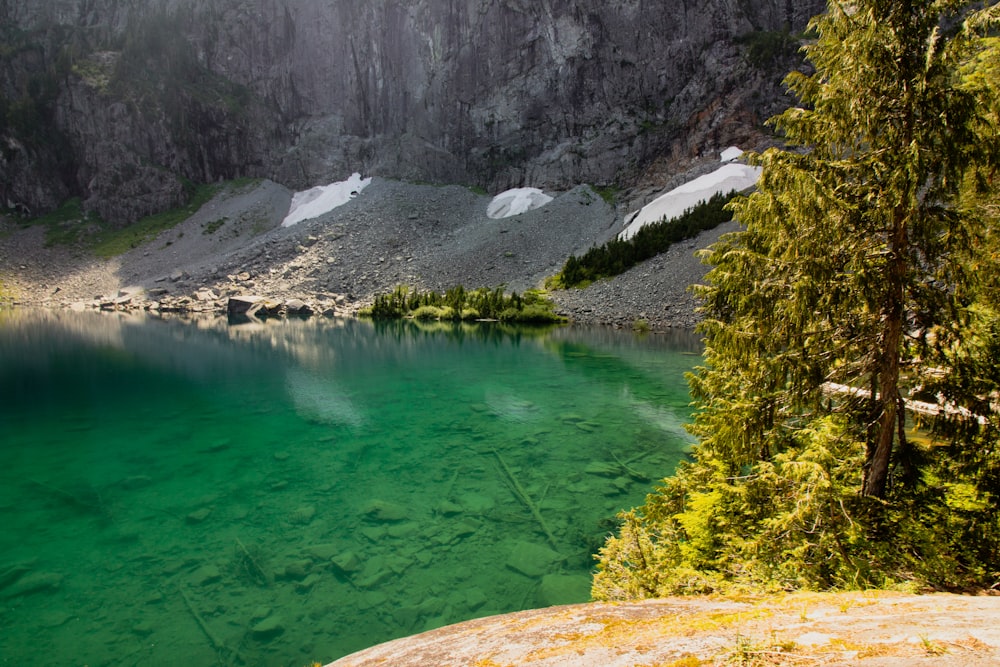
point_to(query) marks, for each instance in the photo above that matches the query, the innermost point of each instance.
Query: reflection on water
(288, 492)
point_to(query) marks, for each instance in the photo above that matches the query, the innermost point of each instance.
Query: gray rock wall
(493, 92)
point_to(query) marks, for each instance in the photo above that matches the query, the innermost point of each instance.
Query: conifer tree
(856, 240)
(846, 296)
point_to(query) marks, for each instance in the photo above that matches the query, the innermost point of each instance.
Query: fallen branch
(251, 565)
(917, 407)
(631, 472)
(228, 655)
(524, 498)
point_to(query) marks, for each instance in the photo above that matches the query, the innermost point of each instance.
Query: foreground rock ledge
(869, 629)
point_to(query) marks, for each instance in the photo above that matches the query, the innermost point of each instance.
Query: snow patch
(731, 153)
(732, 176)
(322, 199)
(516, 201)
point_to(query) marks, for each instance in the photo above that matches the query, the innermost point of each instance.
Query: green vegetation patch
(609, 193)
(97, 70)
(213, 226)
(110, 243)
(458, 304)
(617, 256)
(67, 225)
(71, 225)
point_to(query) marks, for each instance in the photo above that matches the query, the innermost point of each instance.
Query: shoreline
(426, 237)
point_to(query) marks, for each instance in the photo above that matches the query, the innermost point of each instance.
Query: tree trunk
(880, 451)
(877, 475)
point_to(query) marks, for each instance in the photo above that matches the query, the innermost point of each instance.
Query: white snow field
(730, 176)
(516, 202)
(322, 199)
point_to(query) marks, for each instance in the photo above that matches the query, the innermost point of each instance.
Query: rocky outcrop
(142, 96)
(868, 629)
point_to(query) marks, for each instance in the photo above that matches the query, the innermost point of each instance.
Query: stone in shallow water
(308, 583)
(302, 515)
(603, 469)
(346, 562)
(198, 516)
(297, 569)
(11, 572)
(297, 307)
(205, 575)
(448, 508)
(54, 619)
(324, 551)
(384, 511)
(35, 582)
(476, 503)
(376, 572)
(374, 533)
(557, 589)
(270, 627)
(143, 628)
(474, 598)
(241, 305)
(153, 597)
(403, 529)
(532, 560)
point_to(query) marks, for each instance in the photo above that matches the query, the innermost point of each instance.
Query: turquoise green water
(200, 494)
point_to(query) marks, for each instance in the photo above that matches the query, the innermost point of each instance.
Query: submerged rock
(448, 508)
(323, 552)
(308, 583)
(603, 469)
(346, 563)
(532, 560)
(269, 628)
(384, 511)
(302, 515)
(143, 628)
(557, 589)
(297, 570)
(35, 582)
(198, 515)
(206, 575)
(401, 530)
(13, 571)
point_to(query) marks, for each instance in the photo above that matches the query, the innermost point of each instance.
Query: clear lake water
(285, 493)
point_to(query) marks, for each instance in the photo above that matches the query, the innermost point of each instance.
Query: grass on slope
(70, 225)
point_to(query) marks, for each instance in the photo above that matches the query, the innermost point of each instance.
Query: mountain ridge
(125, 103)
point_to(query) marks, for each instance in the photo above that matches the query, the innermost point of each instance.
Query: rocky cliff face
(123, 101)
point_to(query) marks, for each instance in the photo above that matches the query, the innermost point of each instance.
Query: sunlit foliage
(864, 283)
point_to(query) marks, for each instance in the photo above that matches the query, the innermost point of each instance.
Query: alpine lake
(286, 492)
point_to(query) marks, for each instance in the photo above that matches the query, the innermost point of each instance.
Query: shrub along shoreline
(459, 304)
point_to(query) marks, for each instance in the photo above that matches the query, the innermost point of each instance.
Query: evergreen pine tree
(848, 292)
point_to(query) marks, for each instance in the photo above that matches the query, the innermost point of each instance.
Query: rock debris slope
(393, 233)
